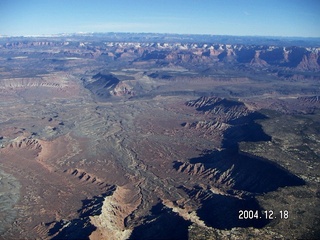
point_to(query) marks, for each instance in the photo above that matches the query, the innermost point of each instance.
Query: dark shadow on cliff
(245, 129)
(162, 223)
(80, 228)
(101, 86)
(247, 172)
(76, 229)
(222, 212)
(237, 170)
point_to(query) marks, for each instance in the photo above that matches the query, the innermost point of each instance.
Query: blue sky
(218, 17)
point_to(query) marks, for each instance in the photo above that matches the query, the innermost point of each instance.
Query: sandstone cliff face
(309, 62)
(102, 217)
(229, 168)
(301, 58)
(116, 208)
(257, 61)
(122, 89)
(222, 110)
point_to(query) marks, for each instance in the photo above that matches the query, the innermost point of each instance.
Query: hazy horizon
(164, 33)
(231, 18)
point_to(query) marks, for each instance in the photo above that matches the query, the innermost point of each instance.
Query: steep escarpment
(221, 210)
(102, 85)
(240, 171)
(228, 167)
(232, 119)
(233, 178)
(79, 228)
(222, 110)
(311, 99)
(111, 223)
(102, 217)
(162, 223)
(286, 55)
(300, 58)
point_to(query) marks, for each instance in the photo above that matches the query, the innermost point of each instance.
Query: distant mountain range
(183, 38)
(262, 52)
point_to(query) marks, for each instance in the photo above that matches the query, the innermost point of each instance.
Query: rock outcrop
(102, 85)
(111, 223)
(102, 217)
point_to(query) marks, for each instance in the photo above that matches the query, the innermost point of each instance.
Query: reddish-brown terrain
(158, 140)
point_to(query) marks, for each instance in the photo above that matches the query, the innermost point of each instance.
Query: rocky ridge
(230, 173)
(256, 56)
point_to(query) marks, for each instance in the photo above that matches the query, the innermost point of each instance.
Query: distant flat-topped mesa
(299, 54)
